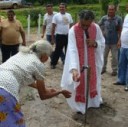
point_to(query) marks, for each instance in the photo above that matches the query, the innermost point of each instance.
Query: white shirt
(124, 33)
(62, 22)
(47, 21)
(21, 69)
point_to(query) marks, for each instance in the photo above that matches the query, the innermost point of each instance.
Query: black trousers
(8, 51)
(61, 42)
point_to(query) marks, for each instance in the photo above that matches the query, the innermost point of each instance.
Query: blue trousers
(123, 66)
(10, 111)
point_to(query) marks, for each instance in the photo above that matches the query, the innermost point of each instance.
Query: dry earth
(56, 113)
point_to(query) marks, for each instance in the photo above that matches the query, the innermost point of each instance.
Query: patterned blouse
(21, 69)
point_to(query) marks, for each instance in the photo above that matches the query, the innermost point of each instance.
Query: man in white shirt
(47, 22)
(47, 26)
(60, 27)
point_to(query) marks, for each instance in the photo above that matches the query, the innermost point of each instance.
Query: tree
(105, 3)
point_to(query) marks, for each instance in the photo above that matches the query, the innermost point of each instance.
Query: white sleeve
(100, 49)
(71, 61)
(72, 50)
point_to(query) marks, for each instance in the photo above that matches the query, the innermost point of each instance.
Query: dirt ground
(55, 112)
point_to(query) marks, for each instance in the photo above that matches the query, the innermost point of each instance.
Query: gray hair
(86, 15)
(40, 47)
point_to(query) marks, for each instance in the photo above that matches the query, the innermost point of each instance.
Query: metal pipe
(87, 88)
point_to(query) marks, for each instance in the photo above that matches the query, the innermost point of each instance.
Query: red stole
(80, 90)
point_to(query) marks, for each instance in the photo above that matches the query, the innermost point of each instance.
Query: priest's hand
(75, 75)
(91, 43)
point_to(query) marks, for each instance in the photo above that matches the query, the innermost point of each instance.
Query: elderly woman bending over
(24, 68)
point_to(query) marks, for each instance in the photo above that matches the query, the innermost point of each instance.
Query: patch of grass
(124, 1)
(22, 13)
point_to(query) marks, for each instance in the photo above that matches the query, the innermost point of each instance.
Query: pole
(87, 89)
(39, 23)
(87, 92)
(28, 29)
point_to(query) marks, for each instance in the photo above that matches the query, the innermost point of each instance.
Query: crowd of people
(57, 27)
(81, 46)
(89, 44)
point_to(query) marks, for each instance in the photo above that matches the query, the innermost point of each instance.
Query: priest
(85, 48)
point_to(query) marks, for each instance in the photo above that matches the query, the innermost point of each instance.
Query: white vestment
(72, 62)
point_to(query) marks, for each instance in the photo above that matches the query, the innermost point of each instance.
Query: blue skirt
(10, 111)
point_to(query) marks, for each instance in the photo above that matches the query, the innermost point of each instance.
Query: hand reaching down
(53, 92)
(66, 93)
